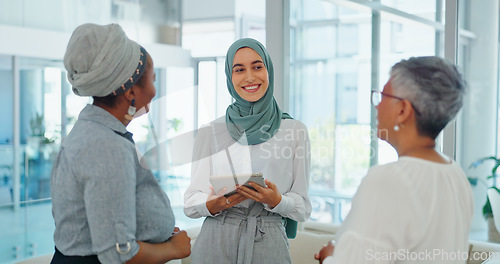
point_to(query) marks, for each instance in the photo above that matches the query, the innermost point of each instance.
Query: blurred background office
(328, 55)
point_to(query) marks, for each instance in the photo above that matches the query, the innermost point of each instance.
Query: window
(30, 145)
(339, 52)
(477, 124)
(6, 131)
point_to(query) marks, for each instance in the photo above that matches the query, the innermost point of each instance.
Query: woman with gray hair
(418, 208)
(108, 208)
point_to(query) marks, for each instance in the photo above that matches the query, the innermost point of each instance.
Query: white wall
(46, 44)
(58, 15)
(250, 8)
(203, 9)
(34, 43)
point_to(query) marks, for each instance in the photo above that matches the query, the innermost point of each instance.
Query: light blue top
(102, 196)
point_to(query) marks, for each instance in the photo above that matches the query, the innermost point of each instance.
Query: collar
(96, 114)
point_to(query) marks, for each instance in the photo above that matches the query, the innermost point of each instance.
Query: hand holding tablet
(230, 181)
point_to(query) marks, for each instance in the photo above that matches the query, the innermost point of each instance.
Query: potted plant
(37, 125)
(490, 183)
(37, 142)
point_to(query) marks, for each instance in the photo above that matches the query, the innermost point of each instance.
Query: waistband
(60, 258)
(262, 220)
(252, 221)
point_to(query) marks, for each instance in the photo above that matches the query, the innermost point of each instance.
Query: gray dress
(247, 235)
(103, 200)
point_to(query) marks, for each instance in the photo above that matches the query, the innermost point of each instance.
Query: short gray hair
(435, 88)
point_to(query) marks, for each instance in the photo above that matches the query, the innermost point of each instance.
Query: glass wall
(31, 143)
(6, 138)
(33, 130)
(477, 125)
(39, 109)
(329, 62)
(340, 50)
(47, 111)
(208, 29)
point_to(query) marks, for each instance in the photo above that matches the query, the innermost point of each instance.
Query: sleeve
(357, 249)
(196, 194)
(382, 210)
(295, 203)
(109, 183)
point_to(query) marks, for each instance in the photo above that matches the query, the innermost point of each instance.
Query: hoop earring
(131, 111)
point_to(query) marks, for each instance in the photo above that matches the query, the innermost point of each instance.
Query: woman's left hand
(325, 252)
(269, 195)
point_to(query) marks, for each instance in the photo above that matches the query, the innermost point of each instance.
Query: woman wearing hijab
(106, 207)
(417, 209)
(254, 136)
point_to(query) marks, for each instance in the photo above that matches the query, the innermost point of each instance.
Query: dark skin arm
(176, 247)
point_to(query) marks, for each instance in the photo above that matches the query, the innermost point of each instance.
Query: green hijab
(259, 120)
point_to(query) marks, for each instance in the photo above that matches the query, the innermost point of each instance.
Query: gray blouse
(103, 200)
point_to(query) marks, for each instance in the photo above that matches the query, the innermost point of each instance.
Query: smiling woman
(255, 136)
(250, 77)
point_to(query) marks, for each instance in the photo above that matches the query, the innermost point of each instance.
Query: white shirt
(411, 210)
(284, 159)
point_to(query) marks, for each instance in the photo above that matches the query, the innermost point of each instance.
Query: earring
(131, 110)
(396, 128)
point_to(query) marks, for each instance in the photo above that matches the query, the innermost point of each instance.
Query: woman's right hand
(181, 244)
(178, 246)
(217, 202)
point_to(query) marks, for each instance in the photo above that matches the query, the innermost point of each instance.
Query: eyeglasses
(376, 98)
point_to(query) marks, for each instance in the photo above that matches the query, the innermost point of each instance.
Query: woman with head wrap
(106, 207)
(417, 209)
(254, 136)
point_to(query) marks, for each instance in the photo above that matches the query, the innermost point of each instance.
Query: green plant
(489, 183)
(175, 123)
(37, 125)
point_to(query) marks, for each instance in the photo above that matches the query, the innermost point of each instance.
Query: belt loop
(223, 217)
(262, 222)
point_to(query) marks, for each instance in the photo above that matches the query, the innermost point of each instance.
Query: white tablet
(229, 181)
